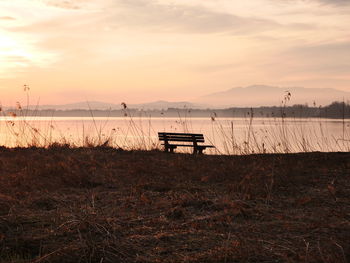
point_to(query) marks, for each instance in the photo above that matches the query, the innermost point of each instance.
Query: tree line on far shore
(334, 110)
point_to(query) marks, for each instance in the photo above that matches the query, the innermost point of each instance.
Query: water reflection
(230, 136)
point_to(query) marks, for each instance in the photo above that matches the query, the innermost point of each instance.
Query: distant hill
(161, 104)
(261, 95)
(84, 105)
(251, 96)
(98, 105)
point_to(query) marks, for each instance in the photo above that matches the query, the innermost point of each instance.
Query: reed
(138, 131)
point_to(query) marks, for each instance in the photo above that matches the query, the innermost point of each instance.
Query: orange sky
(145, 50)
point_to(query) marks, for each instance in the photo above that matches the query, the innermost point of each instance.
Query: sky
(145, 50)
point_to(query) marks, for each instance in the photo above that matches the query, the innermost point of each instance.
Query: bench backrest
(180, 137)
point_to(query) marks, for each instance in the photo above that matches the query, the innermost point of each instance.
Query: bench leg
(198, 150)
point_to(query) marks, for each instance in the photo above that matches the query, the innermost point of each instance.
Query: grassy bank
(103, 205)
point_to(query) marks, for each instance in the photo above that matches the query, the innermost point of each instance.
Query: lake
(230, 136)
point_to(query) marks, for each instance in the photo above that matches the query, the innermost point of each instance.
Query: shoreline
(159, 116)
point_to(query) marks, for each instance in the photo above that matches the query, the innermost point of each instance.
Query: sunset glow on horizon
(146, 50)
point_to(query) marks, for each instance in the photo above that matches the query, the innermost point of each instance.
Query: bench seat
(194, 138)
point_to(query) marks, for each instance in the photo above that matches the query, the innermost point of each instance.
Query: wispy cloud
(329, 58)
(7, 18)
(323, 2)
(187, 18)
(187, 43)
(65, 4)
(335, 2)
(312, 64)
(332, 49)
(16, 59)
(156, 17)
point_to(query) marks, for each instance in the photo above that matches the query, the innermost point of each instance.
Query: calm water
(230, 136)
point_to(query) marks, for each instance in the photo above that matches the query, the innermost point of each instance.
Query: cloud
(324, 2)
(328, 49)
(8, 18)
(188, 35)
(186, 18)
(335, 2)
(320, 3)
(15, 59)
(151, 16)
(67, 4)
(326, 60)
(155, 17)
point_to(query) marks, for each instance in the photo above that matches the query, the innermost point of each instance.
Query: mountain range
(98, 105)
(261, 95)
(251, 96)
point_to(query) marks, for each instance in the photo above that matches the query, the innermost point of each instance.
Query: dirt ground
(107, 205)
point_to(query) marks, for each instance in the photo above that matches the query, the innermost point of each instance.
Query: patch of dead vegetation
(100, 205)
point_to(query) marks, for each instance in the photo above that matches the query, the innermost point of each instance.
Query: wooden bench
(195, 139)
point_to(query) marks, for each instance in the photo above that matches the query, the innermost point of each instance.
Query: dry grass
(242, 136)
(65, 204)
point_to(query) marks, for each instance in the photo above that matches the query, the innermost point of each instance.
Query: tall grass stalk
(231, 136)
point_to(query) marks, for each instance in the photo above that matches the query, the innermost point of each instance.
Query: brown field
(104, 205)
